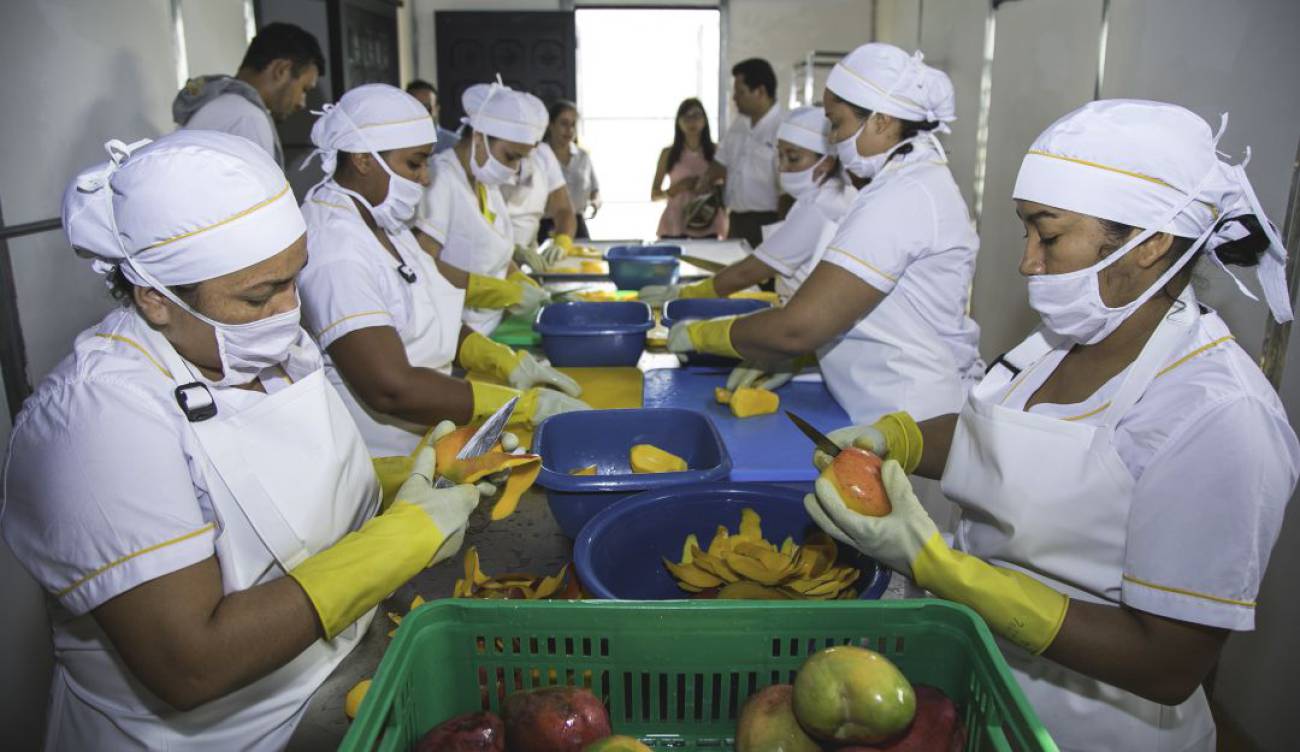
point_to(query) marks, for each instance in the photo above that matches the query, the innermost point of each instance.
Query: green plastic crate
(676, 673)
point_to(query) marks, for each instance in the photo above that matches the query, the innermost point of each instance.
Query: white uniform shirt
(1214, 460)
(748, 151)
(232, 113)
(352, 281)
(106, 489)
(450, 214)
(796, 246)
(909, 235)
(540, 174)
(580, 177)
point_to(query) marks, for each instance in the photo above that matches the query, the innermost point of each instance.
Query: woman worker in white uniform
(463, 220)
(1123, 472)
(885, 309)
(388, 320)
(188, 454)
(809, 173)
(540, 191)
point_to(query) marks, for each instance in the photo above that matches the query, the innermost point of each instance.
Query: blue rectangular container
(604, 438)
(682, 309)
(635, 266)
(581, 334)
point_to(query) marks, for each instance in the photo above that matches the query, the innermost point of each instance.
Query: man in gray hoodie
(282, 64)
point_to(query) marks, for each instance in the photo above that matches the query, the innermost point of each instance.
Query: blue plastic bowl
(594, 334)
(708, 308)
(604, 438)
(619, 553)
(632, 267)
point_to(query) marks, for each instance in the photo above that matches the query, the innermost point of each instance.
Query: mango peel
(562, 585)
(523, 468)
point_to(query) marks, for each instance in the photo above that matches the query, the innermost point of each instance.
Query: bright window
(635, 66)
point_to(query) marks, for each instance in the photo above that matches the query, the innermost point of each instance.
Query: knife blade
(822, 441)
(484, 438)
(703, 263)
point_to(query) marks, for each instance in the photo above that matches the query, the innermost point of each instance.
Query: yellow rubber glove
(1015, 605)
(518, 368)
(521, 279)
(657, 295)
(561, 247)
(490, 292)
(423, 526)
(712, 336)
(535, 405)
(702, 289)
(895, 436)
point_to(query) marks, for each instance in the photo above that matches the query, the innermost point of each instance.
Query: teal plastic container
(676, 673)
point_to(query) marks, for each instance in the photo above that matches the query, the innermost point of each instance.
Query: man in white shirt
(427, 93)
(282, 64)
(746, 158)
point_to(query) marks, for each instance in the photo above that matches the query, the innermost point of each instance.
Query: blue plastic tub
(619, 554)
(594, 334)
(708, 308)
(632, 267)
(604, 438)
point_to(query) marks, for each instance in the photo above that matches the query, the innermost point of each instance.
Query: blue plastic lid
(709, 308)
(581, 317)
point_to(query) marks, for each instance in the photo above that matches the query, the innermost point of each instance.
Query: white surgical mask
(1071, 306)
(491, 172)
(396, 212)
(246, 350)
(801, 183)
(863, 167)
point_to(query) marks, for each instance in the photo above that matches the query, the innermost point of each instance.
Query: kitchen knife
(822, 441)
(483, 439)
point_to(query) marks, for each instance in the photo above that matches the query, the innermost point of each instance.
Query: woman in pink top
(685, 163)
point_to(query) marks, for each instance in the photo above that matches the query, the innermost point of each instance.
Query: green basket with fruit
(676, 674)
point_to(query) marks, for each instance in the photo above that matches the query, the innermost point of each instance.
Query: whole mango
(767, 724)
(472, 732)
(856, 475)
(937, 727)
(554, 719)
(851, 694)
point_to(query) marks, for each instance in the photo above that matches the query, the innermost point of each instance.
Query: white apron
(288, 477)
(486, 248)
(430, 335)
(527, 200)
(1051, 498)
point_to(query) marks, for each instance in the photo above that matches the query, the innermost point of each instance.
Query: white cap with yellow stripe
(188, 207)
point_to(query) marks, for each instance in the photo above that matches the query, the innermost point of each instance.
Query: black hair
(419, 84)
(679, 136)
(756, 72)
(558, 108)
(278, 41)
(123, 289)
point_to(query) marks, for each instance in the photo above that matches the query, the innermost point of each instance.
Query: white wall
(77, 74)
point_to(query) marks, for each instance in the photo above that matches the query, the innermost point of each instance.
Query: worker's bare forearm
(426, 397)
(1160, 659)
(741, 275)
(936, 440)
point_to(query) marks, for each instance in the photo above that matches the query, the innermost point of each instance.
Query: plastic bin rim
(558, 481)
(570, 329)
(668, 320)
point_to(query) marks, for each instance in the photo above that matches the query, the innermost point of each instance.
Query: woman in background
(685, 164)
(562, 141)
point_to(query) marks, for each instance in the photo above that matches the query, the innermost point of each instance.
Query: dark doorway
(534, 52)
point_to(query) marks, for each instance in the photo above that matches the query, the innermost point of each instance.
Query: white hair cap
(501, 112)
(883, 78)
(191, 206)
(806, 127)
(1155, 166)
(371, 118)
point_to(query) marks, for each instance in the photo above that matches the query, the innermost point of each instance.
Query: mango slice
(523, 468)
(648, 458)
(748, 402)
(722, 395)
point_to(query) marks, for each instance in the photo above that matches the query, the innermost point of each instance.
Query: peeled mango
(352, 702)
(554, 719)
(472, 732)
(937, 727)
(747, 402)
(767, 724)
(648, 458)
(856, 475)
(617, 744)
(849, 694)
(522, 468)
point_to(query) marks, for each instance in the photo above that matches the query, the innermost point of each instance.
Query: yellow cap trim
(889, 277)
(1192, 593)
(136, 345)
(226, 221)
(128, 557)
(395, 122)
